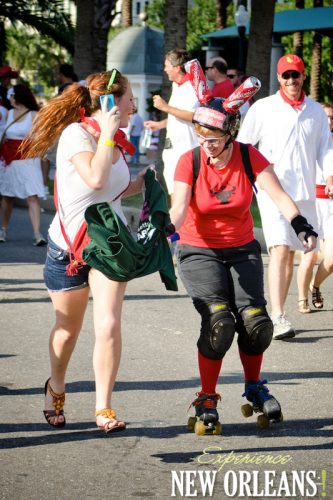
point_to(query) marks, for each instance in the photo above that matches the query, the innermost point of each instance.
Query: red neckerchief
(184, 78)
(294, 104)
(119, 137)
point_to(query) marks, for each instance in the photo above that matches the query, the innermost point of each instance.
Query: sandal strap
(58, 400)
(106, 413)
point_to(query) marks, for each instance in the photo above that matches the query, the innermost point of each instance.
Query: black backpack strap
(196, 166)
(244, 149)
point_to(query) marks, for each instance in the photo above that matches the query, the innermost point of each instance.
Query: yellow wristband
(107, 142)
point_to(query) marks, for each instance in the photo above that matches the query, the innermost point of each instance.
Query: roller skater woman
(219, 260)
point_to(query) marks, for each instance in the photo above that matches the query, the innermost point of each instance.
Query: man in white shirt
(291, 130)
(180, 136)
(135, 127)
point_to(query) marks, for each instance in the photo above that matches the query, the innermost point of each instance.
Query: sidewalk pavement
(157, 382)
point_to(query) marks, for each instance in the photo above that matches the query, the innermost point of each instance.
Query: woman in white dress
(20, 178)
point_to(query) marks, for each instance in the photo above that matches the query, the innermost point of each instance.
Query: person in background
(3, 117)
(20, 178)
(324, 205)
(235, 76)
(7, 74)
(219, 260)
(90, 169)
(180, 136)
(66, 76)
(135, 127)
(291, 130)
(216, 71)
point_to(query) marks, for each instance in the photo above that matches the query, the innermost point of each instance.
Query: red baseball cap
(290, 62)
(8, 72)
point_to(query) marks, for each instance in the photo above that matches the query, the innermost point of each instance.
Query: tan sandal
(58, 401)
(317, 298)
(117, 425)
(303, 306)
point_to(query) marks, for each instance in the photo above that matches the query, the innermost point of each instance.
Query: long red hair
(64, 109)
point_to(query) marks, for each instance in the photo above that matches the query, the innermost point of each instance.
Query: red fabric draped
(294, 104)
(9, 150)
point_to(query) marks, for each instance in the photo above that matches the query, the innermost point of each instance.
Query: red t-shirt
(219, 212)
(223, 89)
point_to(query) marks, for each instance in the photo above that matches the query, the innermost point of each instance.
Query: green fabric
(113, 250)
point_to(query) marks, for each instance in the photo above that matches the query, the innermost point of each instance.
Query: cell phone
(110, 100)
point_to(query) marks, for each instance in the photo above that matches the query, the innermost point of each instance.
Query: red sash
(9, 150)
(320, 192)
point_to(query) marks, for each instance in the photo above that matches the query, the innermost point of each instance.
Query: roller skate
(206, 420)
(262, 402)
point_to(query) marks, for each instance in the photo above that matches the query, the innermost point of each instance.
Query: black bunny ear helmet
(212, 115)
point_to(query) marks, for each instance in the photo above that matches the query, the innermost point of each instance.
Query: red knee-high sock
(209, 373)
(251, 365)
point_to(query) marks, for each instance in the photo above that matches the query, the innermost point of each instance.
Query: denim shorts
(55, 277)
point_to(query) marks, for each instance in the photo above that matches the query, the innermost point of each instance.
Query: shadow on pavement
(166, 385)
(292, 428)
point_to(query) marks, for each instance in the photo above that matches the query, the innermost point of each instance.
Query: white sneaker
(282, 328)
(39, 240)
(3, 235)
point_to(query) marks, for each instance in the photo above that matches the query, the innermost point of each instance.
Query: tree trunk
(221, 13)
(102, 23)
(298, 35)
(175, 20)
(260, 42)
(2, 41)
(126, 13)
(91, 36)
(83, 57)
(316, 60)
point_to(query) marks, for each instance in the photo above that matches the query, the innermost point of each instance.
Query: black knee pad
(217, 332)
(256, 331)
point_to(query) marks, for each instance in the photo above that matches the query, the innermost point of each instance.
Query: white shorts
(170, 159)
(277, 230)
(325, 217)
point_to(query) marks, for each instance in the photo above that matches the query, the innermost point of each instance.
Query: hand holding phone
(110, 101)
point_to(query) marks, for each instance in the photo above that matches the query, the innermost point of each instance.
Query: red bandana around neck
(294, 104)
(184, 78)
(119, 137)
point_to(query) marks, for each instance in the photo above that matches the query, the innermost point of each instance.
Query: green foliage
(38, 57)
(201, 19)
(155, 11)
(46, 16)
(327, 48)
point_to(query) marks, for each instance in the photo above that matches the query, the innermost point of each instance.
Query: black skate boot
(206, 420)
(262, 402)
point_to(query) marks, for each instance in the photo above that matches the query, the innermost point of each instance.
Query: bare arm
(154, 125)
(162, 105)
(329, 186)
(180, 201)
(136, 186)
(269, 182)
(94, 168)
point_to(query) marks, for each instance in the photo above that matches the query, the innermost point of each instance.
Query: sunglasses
(211, 141)
(209, 67)
(291, 74)
(230, 75)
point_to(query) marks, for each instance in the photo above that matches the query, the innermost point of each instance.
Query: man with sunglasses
(291, 131)
(216, 71)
